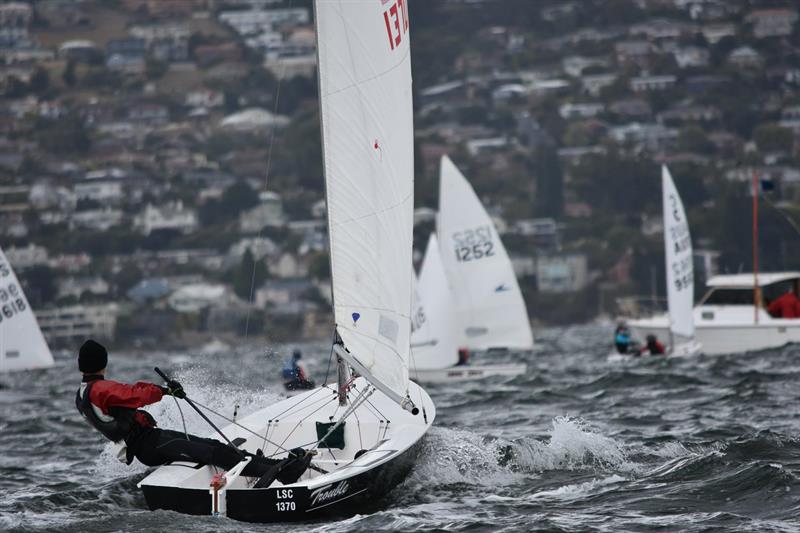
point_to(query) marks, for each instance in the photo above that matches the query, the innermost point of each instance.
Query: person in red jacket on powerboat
(786, 305)
(114, 410)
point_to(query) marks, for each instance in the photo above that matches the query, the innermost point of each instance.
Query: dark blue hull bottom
(362, 493)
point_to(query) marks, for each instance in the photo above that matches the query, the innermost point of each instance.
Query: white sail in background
(490, 308)
(367, 132)
(434, 339)
(22, 345)
(679, 262)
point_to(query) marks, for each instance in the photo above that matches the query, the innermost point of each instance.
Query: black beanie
(92, 357)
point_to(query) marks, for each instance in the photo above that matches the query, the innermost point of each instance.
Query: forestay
(678, 254)
(22, 345)
(491, 311)
(366, 113)
(434, 341)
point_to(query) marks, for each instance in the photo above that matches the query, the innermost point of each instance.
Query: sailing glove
(175, 389)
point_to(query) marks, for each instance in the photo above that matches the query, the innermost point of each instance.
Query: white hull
(467, 373)
(730, 337)
(685, 349)
(291, 423)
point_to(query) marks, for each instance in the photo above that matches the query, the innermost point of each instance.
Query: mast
(756, 288)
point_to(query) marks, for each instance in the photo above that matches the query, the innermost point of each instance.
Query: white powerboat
(728, 319)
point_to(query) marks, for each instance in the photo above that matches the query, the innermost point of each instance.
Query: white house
(171, 216)
(27, 256)
(103, 191)
(96, 219)
(562, 273)
(269, 212)
(78, 322)
(195, 298)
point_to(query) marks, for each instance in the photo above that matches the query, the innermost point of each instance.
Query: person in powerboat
(294, 373)
(463, 357)
(114, 410)
(786, 305)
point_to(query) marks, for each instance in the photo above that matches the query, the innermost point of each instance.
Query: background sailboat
(489, 306)
(22, 345)
(679, 269)
(434, 340)
(679, 264)
(363, 430)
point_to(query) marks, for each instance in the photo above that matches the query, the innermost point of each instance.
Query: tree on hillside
(549, 182)
(249, 276)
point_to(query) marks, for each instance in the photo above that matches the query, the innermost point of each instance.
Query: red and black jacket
(112, 408)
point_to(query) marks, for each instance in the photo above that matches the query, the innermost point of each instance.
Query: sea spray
(572, 445)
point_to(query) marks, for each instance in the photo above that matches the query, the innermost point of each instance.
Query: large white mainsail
(434, 339)
(367, 131)
(22, 345)
(679, 262)
(491, 311)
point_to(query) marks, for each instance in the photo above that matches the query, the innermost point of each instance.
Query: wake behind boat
(360, 435)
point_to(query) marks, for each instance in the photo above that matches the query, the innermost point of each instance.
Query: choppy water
(578, 444)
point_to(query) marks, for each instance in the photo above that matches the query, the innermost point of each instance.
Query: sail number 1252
(473, 244)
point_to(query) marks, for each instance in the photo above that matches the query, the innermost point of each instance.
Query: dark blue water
(577, 444)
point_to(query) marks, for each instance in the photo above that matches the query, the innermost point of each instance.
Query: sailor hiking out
(113, 409)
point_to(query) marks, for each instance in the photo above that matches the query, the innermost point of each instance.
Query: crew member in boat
(463, 357)
(788, 304)
(113, 409)
(654, 346)
(294, 373)
(622, 338)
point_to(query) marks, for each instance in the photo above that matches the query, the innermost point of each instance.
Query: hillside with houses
(161, 175)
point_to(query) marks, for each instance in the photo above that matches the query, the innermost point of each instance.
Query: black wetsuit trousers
(155, 447)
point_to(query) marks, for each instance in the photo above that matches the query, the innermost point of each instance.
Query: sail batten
(22, 345)
(491, 310)
(367, 130)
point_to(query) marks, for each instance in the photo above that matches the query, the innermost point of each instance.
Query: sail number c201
(473, 244)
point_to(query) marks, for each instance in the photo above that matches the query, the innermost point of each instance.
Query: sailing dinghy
(365, 430)
(489, 307)
(22, 345)
(679, 274)
(434, 337)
